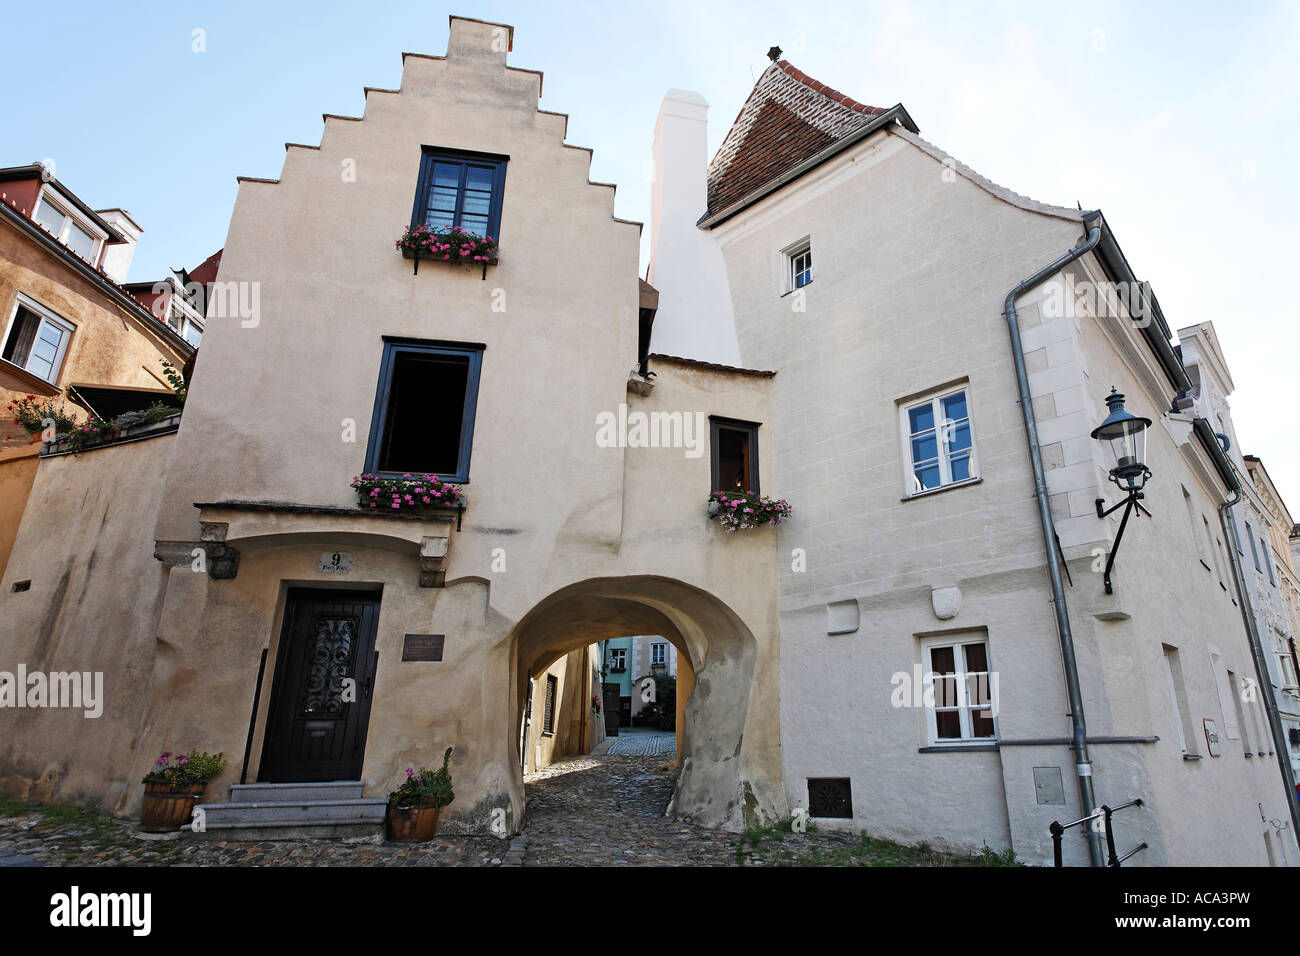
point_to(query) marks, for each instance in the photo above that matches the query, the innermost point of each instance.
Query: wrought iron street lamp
(1126, 436)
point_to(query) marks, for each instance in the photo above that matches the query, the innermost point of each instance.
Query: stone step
(367, 830)
(293, 812)
(295, 792)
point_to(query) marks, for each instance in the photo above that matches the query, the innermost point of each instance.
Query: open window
(424, 410)
(460, 188)
(36, 340)
(734, 448)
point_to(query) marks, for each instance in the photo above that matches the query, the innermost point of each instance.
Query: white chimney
(118, 255)
(694, 319)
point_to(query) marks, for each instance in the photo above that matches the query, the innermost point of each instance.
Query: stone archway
(730, 751)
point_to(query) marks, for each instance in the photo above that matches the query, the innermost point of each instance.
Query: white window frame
(60, 205)
(46, 315)
(618, 657)
(963, 705)
(791, 255)
(186, 318)
(659, 653)
(935, 400)
(1288, 672)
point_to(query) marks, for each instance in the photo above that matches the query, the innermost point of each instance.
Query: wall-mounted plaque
(422, 647)
(335, 562)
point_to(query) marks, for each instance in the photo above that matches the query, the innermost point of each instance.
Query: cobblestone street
(607, 810)
(599, 810)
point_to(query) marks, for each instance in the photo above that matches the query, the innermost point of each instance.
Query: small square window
(734, 446)
(424, 410)
(798, 265)
(36, 340)
(939, 443)
(462, 189)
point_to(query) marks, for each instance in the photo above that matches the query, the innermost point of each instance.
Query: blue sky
(1180, 120)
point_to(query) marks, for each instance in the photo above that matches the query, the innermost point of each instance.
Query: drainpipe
(1083, 766)
(1257, 652)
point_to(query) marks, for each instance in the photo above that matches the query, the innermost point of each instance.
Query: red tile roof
(787, 118)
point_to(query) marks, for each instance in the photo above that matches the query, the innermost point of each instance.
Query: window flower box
(409, 493)
(447, 244)
(735, 510)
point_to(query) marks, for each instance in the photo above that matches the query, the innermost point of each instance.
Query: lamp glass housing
(1126, 435)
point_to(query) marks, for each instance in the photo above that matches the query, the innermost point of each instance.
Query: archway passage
(729, 722)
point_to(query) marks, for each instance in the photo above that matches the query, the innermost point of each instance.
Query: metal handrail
(1106, 812)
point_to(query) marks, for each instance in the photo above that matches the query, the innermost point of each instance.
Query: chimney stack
(118, 255)
(694, 319)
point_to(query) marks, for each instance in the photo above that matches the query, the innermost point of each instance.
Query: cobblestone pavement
(34, 839)
(644, 742)
(600, 810)
(608, 811)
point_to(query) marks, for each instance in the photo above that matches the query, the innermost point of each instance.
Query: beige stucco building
(66, 322)
(253, 579)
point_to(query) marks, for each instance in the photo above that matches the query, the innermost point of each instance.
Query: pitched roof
(788, 118)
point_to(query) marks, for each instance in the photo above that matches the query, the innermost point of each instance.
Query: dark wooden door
(320, 700)
(610, 707)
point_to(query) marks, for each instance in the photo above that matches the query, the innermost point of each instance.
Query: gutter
(1156, 331)
(103, 283)
(1079, 738)
(1280, 746)
(895, 113)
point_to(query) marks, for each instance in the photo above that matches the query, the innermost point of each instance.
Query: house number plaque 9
(335, 562)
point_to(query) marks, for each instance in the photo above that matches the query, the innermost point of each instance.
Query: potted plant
(446, 244)
(413, 807)
(407, 493)
(742, 509)
(174, 786)
(32, 414)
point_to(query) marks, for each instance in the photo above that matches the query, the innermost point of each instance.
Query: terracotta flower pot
(412, 824)
(165, 809)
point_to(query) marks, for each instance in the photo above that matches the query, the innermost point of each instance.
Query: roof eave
(109, 288)
(1156, 332)
(1222, 465)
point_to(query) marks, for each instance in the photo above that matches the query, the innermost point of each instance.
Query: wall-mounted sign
(422, 647)
(1212, 737)
(335, 562)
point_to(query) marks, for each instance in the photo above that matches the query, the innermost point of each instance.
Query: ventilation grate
(830, 797)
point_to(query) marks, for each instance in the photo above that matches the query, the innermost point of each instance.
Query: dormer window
(185, 322)
(75, 233)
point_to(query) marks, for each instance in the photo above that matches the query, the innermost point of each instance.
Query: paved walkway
(600, 810)
(633, 741)
(608, 811)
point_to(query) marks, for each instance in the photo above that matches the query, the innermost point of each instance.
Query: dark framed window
(459, 188)
(423, 422)
(548, 715)
(733, 446)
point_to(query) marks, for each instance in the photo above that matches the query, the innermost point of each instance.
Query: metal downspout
(1261, 664)
(1083, 765)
